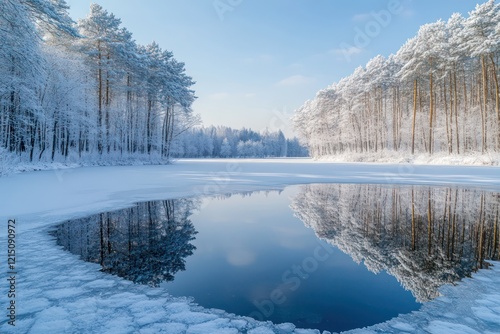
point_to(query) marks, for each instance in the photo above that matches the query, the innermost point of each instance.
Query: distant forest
(438, 94)
(87, 92)
(225, 142)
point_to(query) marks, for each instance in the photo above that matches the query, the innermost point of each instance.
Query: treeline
(438, 93)
(225, 142)
(85, 90)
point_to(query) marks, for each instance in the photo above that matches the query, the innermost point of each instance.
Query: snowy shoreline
(384, 157)
(56, 298)
(389, 157)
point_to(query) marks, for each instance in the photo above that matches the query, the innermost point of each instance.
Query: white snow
(438, 158)
(261, 330)
(440, 327)
(42, 198)
(58, 293)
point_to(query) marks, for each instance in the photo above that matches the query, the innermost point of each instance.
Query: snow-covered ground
(58, 293)
(440, 158)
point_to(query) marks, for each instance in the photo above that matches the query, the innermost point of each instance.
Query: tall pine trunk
(497, 99)
(99, 98)
(415, 92)
(485, 104)
(455, 106)
(431, 110)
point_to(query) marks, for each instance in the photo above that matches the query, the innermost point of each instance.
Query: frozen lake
(325, 256)
(60, 293)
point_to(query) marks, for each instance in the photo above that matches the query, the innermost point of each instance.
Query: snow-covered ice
(40, 198)
(58, 293)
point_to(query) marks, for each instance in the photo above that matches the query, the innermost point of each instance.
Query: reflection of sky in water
(251, 255)
(252, 249)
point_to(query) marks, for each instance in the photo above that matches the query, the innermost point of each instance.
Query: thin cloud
(408, 13)
(347, 51)
(295, 80)
(219, 96)
(296, 66)
(263, 58)
(408, 10)
(361, 17)
(405, 10)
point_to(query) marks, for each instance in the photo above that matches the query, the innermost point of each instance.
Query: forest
(86, 89)
(86, 92)
(439, 93)
(225, 142)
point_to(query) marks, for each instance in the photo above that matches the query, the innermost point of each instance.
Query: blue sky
(256, 61)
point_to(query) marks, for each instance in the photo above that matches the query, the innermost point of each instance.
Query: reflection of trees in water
(424, 236)
(147, 243)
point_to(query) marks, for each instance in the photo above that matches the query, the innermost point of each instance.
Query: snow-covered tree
(227, 142)
(225, 150)
(23, 71)
(438, 93)
(86, 91)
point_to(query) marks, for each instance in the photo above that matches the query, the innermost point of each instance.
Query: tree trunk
(415, 83)
(455, 106)
(108, 102)
(464, 122)
(33, 139)
(447, 120)
(54, 140)
(99, 98)
(12, 142)
(485, 102)
(66, 146)
(148, 126)
(497, 99)
(431, 110)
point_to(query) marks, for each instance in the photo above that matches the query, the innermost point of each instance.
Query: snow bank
(489, 159)
(11, 164)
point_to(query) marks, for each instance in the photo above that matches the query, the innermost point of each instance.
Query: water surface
(332, 257)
